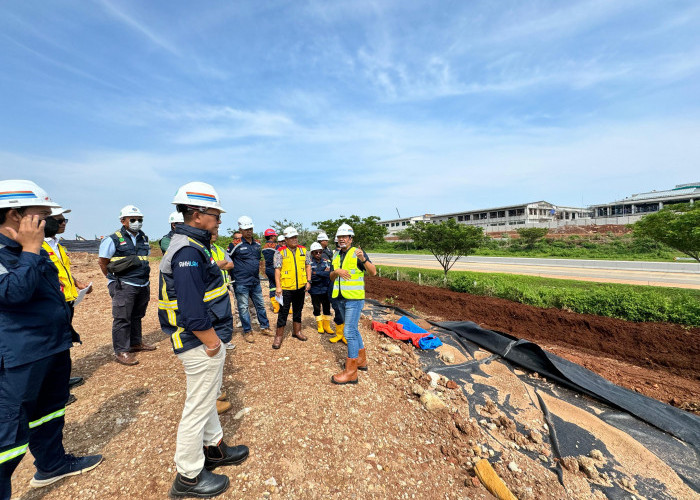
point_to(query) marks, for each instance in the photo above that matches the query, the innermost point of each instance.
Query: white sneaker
(230, 346)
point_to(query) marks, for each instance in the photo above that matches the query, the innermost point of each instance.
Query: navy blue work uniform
(320, 283)
(268, 252)
(35, 335)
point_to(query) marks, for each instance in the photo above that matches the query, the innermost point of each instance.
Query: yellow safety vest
(218, 253)
(62, 263)
(353, 288)
(293, 272)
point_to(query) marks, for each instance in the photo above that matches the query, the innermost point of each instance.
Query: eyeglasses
(62, 221)
(130, 220)
(216, 216)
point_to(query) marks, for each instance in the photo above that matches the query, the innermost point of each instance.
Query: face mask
(135, 226)
(51, 227)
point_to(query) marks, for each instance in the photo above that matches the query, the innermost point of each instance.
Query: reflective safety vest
(293, 272)
(124, 247)
(218, 253)
(353, 288)
(216, 298)
(62, 263)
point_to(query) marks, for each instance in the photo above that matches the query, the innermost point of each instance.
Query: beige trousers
(199, 425)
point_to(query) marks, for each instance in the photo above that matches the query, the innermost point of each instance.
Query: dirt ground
(309, 438)
(659, 360)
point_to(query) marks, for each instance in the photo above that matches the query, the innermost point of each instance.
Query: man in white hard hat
(246, 257)
(322, 240)
(35, 338)
(175, 218)
(55, 225)
(292, 280)
(194, 309)
(347, 274)
(123, 259)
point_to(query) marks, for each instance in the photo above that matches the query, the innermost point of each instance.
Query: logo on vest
(188, 263)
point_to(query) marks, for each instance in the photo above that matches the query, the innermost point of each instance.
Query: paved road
(671, 274)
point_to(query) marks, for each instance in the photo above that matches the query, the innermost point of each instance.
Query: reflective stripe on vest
(353, 288)
(293, 272)
(62, 263)
(218, 253)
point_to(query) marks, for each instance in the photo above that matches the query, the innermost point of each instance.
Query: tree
(368, 232)
(306, 236)
(677, 226)
(447, 241)
(531, 235)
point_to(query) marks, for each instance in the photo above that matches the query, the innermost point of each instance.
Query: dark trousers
(32, 405)
(129, 305)
(321, 300)
(293, 298)
(271, 281)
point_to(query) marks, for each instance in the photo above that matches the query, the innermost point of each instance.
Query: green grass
(596, 247)
(628, 302)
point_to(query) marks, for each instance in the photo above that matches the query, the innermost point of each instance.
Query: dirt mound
(660, 360)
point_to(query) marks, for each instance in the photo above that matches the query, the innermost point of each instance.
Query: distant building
(637, 205)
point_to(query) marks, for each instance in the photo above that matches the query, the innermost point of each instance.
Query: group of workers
(38, 292)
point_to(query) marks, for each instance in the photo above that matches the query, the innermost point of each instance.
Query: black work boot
(223, 454)
(205, 485)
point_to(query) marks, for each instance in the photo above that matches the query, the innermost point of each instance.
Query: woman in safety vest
(347, 274)
(292, 280)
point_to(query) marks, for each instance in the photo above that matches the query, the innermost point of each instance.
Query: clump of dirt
(659, 360)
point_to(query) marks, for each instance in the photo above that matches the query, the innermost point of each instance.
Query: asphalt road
(670, 274)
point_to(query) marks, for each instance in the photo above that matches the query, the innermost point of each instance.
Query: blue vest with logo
(124, 247)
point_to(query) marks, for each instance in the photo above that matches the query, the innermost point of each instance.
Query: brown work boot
(279, 337)
(222, 406)
(347, 376)
(362, 360)
(223, 396)
(266, 331)
(248, 337)
(126, 358)
(297, 332)
(142, 347)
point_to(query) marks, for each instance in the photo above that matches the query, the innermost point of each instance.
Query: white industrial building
(545, 214)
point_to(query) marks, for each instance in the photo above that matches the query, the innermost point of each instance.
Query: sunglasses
(130, 220)
(216, 216)
(62, 221)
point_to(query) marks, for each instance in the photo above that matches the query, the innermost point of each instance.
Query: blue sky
(308, 110)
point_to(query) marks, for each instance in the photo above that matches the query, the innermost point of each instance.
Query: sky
(309, 110)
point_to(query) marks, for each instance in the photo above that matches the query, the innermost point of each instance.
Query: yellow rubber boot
(275, 304)
(339, 334)
(319, 322)
(327, 324)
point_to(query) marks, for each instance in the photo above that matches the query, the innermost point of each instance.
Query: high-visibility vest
(293, 272)
(62, 263)
(124, 247)
(353, 288)
(218, 253)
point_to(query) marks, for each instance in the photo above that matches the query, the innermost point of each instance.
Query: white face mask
(135, 226)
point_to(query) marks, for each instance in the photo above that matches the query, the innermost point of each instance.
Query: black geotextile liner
(89, 246)
(670, 433)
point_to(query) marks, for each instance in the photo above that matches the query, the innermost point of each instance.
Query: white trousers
(199, 425)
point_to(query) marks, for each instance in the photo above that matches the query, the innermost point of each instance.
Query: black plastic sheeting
(89, 246)
(670, 433)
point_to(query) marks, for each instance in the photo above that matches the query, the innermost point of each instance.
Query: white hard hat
(198, 194)
(335, 239)
(245, 222)
(322, 237)
(130, 211)
(59, 211)
(22, 193)
(176, 217)
(290, 232)
(345, 230)
(316, 246)
(280, 238)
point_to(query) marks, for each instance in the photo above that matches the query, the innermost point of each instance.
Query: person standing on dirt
(246, 258)
(320, 283)
(347, 274)
(174, 219)
(55, 225)
(123, 259)
(194, 309)
(35, 338)
(268, 252)
(292, 281)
